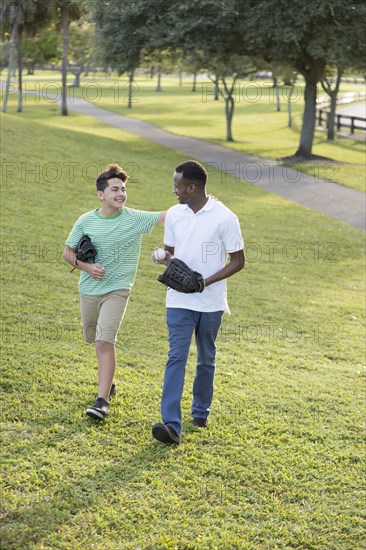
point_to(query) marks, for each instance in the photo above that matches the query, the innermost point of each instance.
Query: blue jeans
(181, 324)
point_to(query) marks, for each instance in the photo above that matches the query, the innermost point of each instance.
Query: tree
(205, 30)
(331, 85)
(62, 12)
(162, 61)
(286, 75)
(193, 64)
(42, 47)
(227, 70)
(337, 66)
(311, 34)
(307, 36)
(303, 35)
(11, 16)
(23, 17)
(289, 84)
(15, 15)
(121, 34)
(81, 48)
(213, 28)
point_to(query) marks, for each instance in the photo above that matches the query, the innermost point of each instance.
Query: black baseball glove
(86, 251)
(182, 278)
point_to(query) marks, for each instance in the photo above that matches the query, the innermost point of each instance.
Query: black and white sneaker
(100, 410)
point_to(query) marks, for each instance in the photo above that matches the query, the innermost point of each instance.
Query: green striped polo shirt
(118, 243)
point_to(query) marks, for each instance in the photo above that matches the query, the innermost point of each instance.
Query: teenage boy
(116, 232)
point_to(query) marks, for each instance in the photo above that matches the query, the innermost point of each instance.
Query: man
(104, 286)
(203, 233)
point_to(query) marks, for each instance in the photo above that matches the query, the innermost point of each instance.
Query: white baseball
(159, 254)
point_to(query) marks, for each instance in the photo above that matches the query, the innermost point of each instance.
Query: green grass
(281, 465)
(258, 128)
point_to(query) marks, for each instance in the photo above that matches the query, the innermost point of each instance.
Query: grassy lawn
(282, 463)
(258, 128)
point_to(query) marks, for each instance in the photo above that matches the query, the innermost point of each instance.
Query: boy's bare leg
(106, 354)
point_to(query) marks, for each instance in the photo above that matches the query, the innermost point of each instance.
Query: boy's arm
(161, 220)
(95, 270)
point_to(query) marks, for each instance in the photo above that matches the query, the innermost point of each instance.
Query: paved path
(337, 201)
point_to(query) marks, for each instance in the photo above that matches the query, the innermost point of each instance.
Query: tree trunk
(130, 88)
(158, 84)
(180, 77)
(217, 87)
(331, 117)
(333, 94)
(289, 107)
(308, 121)
(30, 68)
(277, 92)
(77, 74)
(194, 83)
(76, 83)
(312, 77)
(20, 70)
(229, 112)
(14, 34)
(65, 50)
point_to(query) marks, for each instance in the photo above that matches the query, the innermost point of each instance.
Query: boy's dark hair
(112, 171)
(193, 171)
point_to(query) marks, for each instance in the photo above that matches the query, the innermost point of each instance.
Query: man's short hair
(193, 171)
(112, 171)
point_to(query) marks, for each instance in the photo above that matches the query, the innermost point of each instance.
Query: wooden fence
(342, 121)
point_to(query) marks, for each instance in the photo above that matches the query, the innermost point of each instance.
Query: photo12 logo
(35, 91)
(292, 252)
(269, 332)
(270, 172)
(56, 172)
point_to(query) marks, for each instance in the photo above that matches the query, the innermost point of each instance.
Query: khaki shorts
(102, 315)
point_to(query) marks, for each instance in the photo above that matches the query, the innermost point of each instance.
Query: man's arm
(236, 263)
(95, 270)
(169, 254)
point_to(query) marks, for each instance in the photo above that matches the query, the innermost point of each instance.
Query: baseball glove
(182, 278)
(85, 251)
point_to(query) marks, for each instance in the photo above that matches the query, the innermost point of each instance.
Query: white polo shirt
(203, 241)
